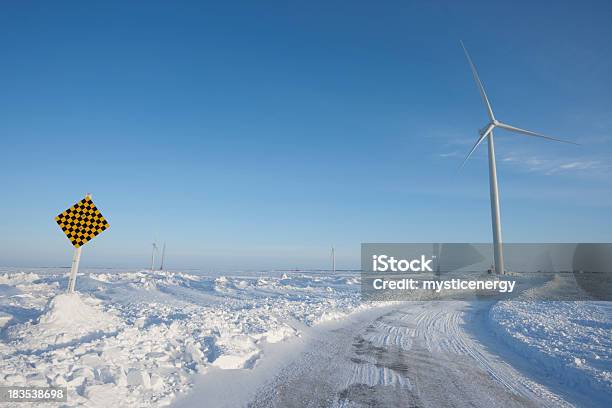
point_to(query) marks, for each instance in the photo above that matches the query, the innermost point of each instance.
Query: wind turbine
(153, 251)
(163, 255)
(487, 132)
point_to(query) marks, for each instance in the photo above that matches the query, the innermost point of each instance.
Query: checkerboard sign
(82, 222)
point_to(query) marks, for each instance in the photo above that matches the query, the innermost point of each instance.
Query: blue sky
(257, 136)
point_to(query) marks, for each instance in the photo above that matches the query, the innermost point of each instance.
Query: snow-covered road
(416, 355)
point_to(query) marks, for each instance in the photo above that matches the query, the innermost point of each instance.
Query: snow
(67, 317)
(571, 341)
(140, 338)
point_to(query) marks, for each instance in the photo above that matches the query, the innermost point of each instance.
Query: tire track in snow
(418, 355)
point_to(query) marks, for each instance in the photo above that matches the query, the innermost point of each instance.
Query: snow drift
(67, 317)
(140, 338)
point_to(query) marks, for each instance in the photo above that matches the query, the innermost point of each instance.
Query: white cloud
(551, 166)
(449, 154)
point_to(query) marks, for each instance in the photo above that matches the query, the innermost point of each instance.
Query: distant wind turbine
(163, 255)
(153, 251)
(487, 132)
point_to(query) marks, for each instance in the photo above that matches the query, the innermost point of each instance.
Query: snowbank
(138, 338)
(68, 317)
(571, 341)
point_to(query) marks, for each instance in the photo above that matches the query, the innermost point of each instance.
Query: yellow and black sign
(82, 222)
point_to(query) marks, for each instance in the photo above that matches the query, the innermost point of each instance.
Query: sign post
(81, 222)
(76, 258)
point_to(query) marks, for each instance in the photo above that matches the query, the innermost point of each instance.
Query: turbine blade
(530, 133)
(479, 84)
(478, 142)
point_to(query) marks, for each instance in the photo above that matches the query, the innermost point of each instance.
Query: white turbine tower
(153, 251)
(487, 132)
(163, 255)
